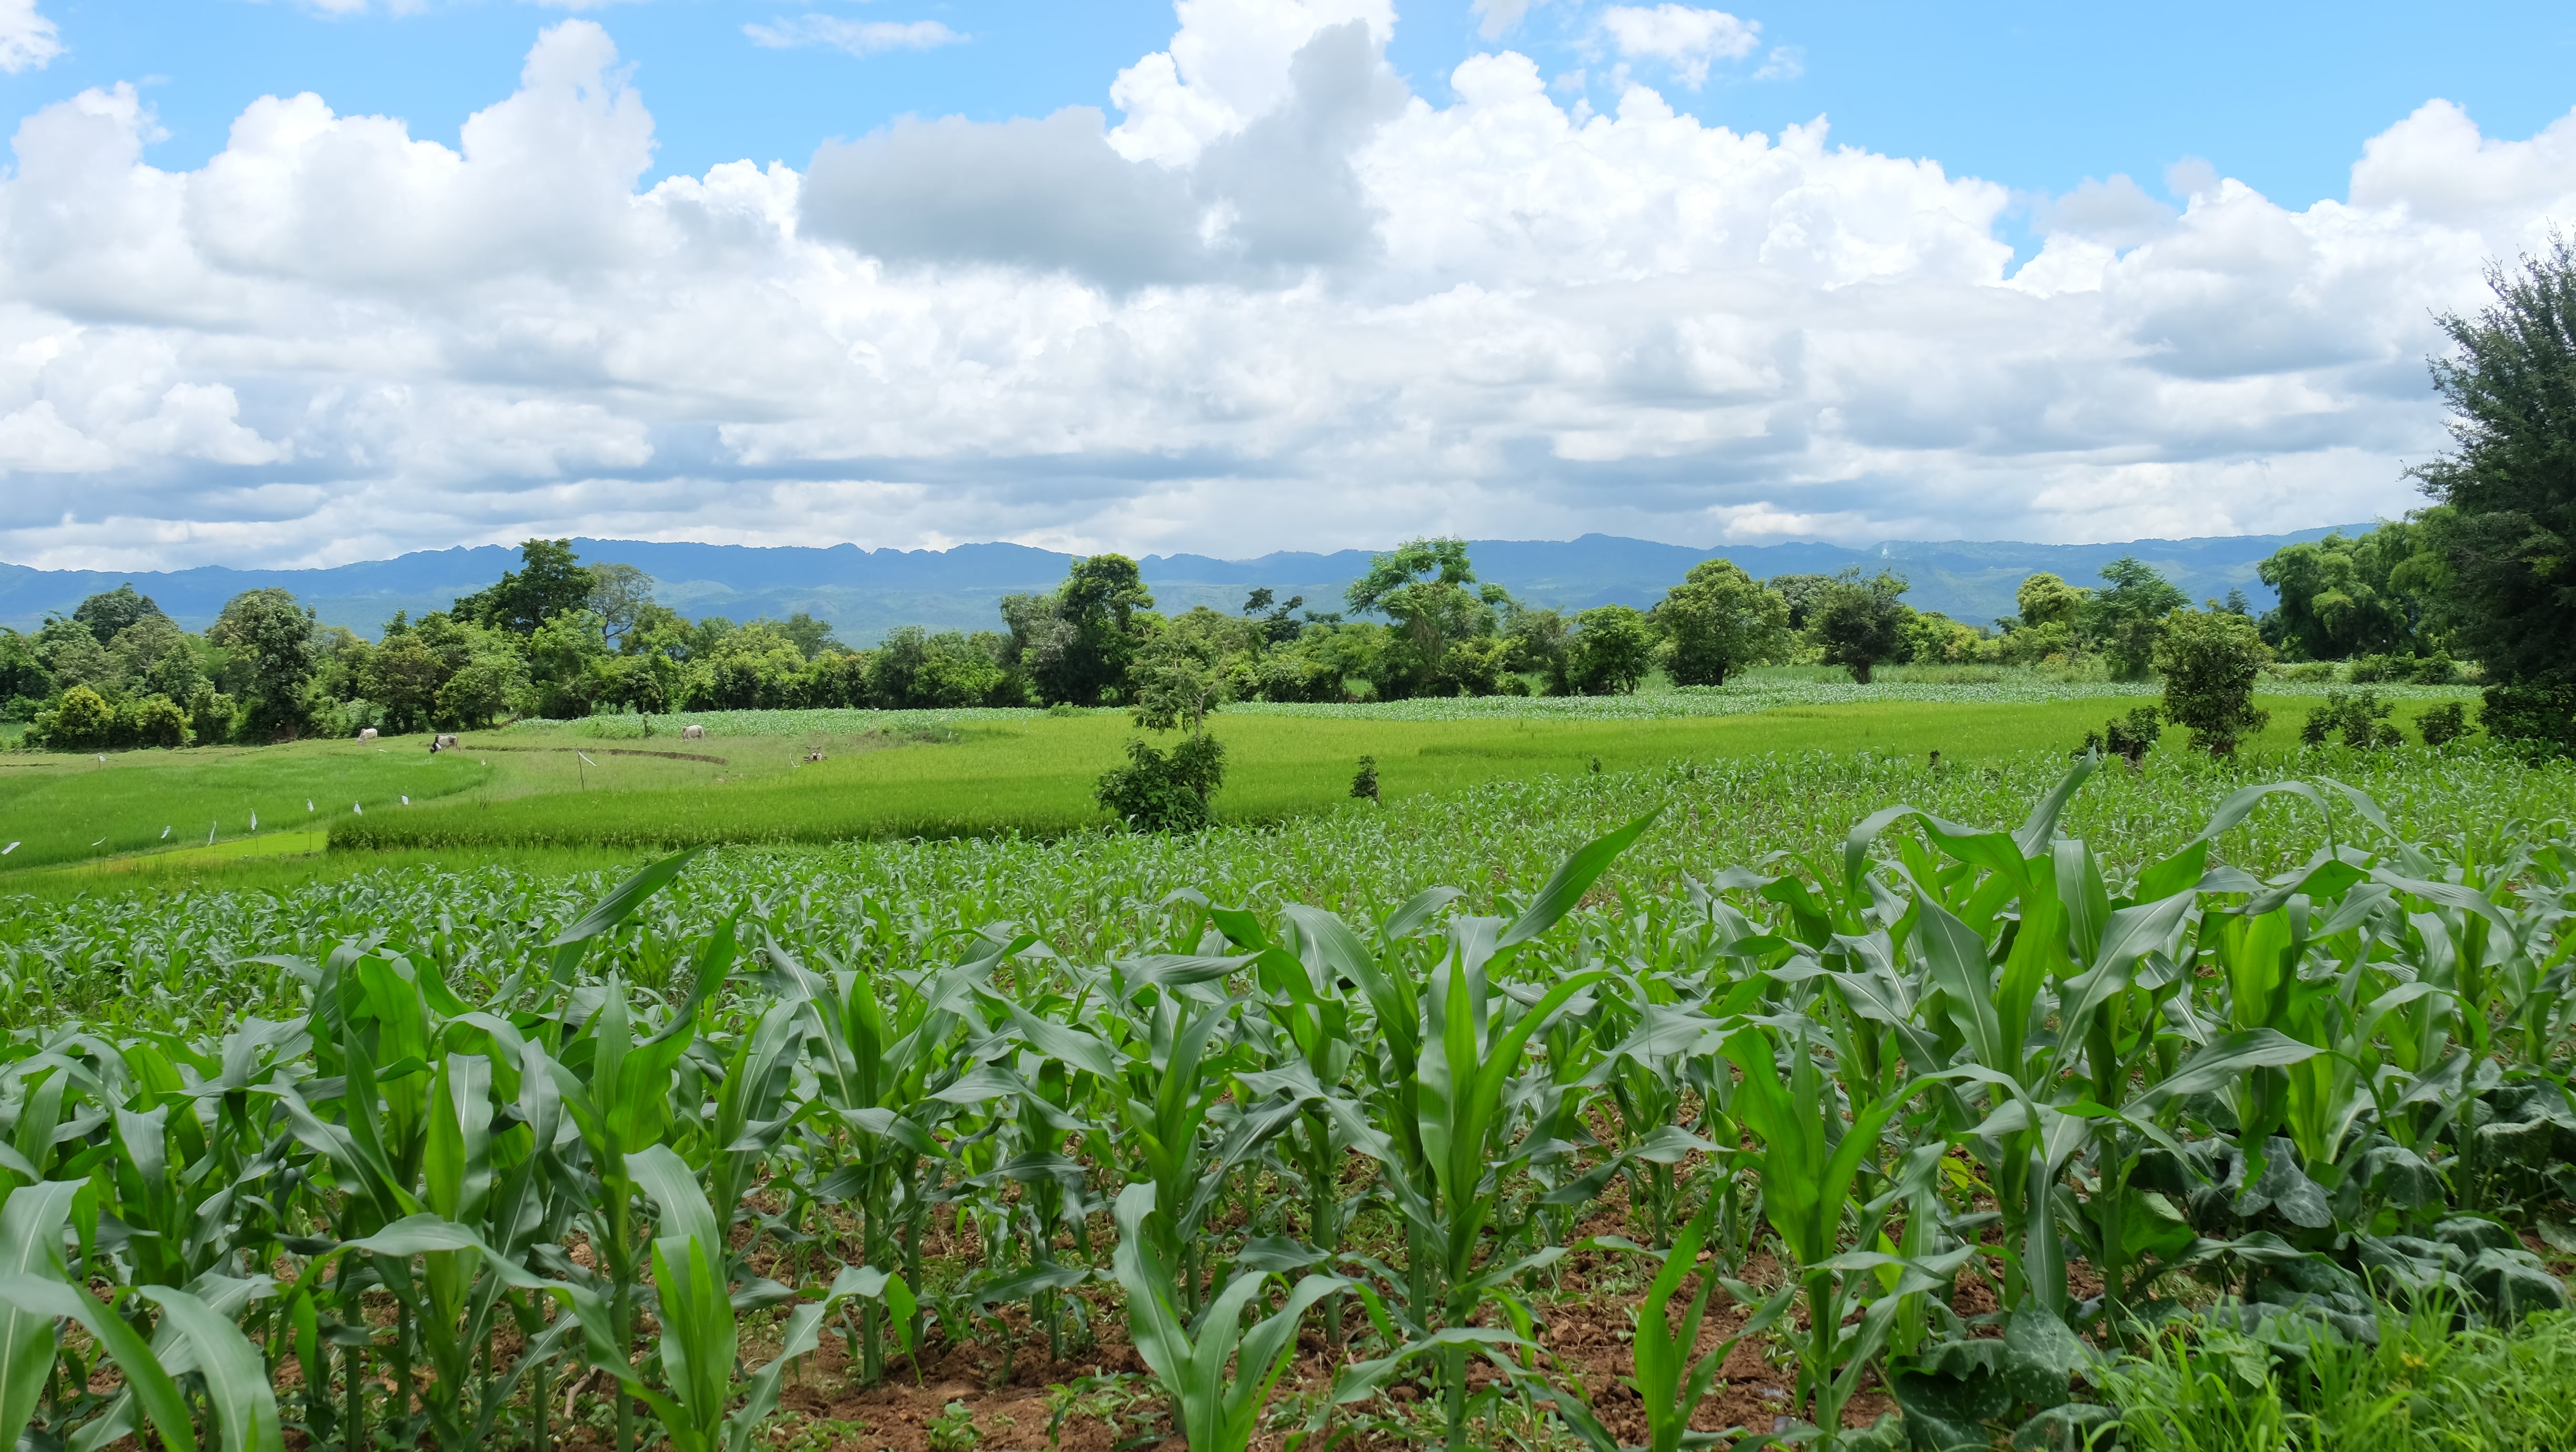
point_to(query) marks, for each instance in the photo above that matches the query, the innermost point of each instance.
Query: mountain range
(865, 593)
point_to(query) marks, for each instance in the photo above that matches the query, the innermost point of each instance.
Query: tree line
(561, 638)
(558, 637)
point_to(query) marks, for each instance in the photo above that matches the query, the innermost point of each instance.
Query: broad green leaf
(2041, 825)
(661, 1174)
(1957, 959)
(144, 1375)
(2224, 1059)
(612, 910)
(31, 1244)
(1572, 881)
(236, 1378)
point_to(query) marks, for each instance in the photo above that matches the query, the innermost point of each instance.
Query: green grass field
(550, 787)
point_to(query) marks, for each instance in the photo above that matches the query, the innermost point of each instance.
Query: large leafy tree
(2344, 596)
(914, 668)
(1861, 623)
(2045, 599)
(74, 657)
(1444, 624)
(2510, 484)
(1074, 645)
(548, 582)
(403, 677)
(623, 596)
(812, 636)
(2123, 618)
(159, 657)
(271, 652)
(1613, 648)
(1802, 594)
(22, 672)
(1717, 621)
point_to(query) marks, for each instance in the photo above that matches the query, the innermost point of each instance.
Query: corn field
(413, 1181)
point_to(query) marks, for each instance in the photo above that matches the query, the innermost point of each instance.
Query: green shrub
(2444, 724)
(2418, 1386)
(479, 692)
(2543, 715)
(1365, 783)
(2359, 717)
(2128, 737)
(81, 721)
(1612, 649)
(2209, 659)
(151, 721)
(212, 716)
(2406, 670)
(1165, 792)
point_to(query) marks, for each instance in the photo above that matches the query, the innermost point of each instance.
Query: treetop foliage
(110, 612)
(548, 582)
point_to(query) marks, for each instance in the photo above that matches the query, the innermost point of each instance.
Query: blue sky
(2035, 96)
(1306, 274)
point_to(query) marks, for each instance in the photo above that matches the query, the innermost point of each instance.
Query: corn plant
(1671, 1383)
(1217, 1373)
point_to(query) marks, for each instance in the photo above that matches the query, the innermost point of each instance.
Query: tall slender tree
(2510, 482)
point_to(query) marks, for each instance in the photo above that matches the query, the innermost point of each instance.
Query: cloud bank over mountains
(1278, 300)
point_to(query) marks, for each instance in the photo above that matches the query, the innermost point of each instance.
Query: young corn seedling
(1671, 1383)
(703, 1404)
(885, 1074)
(1449, 1177)
(1810, 1164)
(1218, 1374)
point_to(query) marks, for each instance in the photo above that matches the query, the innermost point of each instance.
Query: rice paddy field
(1648, 1075)
(621, 783)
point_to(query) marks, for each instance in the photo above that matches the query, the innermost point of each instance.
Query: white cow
(442, 742)
(367, 734)
(693, 733)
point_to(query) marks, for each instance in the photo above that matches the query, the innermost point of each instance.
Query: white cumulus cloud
(1688, 38)
(27, 39)
(1274, 299)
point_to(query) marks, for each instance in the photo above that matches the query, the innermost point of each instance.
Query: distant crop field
(1032, 773)
(605, 784)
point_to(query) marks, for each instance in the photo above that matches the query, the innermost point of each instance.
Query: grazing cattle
(693, 733)
(813, 756)
(367, 733)
(441, 742)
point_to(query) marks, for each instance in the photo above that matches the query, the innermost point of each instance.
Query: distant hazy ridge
(865, 593)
